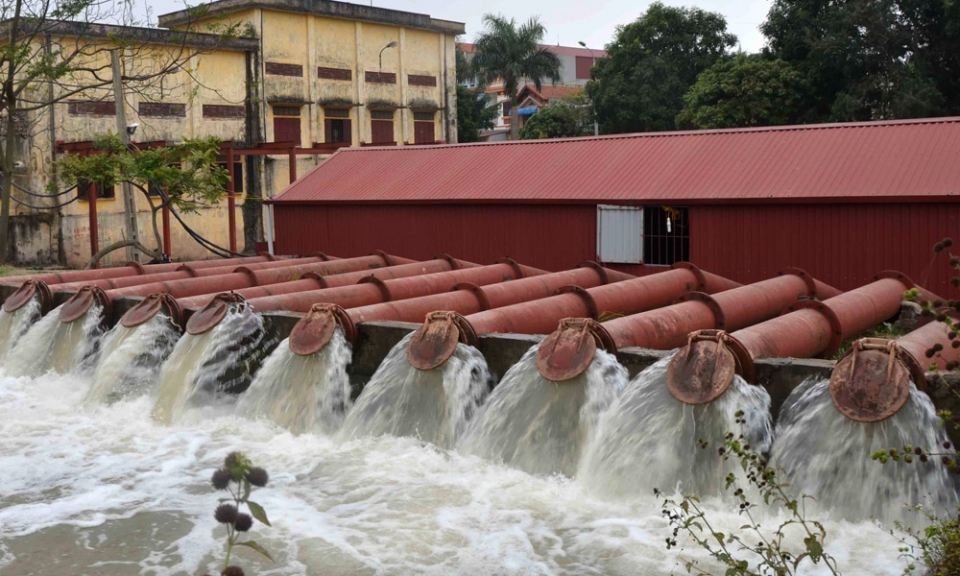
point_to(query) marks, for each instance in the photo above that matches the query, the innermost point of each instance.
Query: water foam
(209, 369)
(104, 490)
(13, 325)
(541, 426)
(827, 456)
(433, 405)
(131, 358)
(54, 345)
(649, 439)
(302, 393)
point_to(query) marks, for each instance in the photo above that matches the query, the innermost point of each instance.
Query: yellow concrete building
(316, 73)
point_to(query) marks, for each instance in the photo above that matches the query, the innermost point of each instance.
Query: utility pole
(129, 202)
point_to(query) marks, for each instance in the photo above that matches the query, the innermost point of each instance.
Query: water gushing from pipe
(827, 456)
(302, 393)
(54, 345)
(649, 439)
(131, 358)
(207, 369)
(13, 325)
(433, 405)
(541, 426)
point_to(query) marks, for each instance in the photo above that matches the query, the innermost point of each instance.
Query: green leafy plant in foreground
(750, 551)
(238, 476)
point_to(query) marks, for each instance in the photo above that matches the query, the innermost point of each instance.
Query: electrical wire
(54, 207)
(216, 249)
(25, 191)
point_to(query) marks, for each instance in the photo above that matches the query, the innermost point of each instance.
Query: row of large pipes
(568, 351)
(434, 342)
(702, 370)
(724, 326)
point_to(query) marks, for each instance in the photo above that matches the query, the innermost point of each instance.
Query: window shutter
(620, 234)
(328, 130)
(347, 132)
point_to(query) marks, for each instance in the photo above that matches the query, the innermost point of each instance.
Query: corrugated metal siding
(549, 237)
(867, 161)
(841, 244)
(620, 234)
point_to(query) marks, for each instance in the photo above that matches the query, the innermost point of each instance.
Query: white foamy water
(827, 455)
(432, 405)
(130, 359)
(541, 426)
(302, 393)
(103, 490)
(202, 368)
(639, 439)
(50, 344)
(14, 325)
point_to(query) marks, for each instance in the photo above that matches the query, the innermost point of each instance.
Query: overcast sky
(567, 21)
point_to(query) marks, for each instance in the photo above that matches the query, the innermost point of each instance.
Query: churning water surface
(105, 490)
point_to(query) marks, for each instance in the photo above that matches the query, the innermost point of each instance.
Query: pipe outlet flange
(872, 381)
(211, 314)
(703, 370)
(83, 300)
(570, 349)
(436, 340)
(150, 307)
(25, 294)
(312, 333)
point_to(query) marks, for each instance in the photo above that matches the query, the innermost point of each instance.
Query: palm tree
(509, 53)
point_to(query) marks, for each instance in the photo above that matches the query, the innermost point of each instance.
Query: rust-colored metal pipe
(435, 341)
(466, 298)
(702, 370)
(212, 284)
(274, 282)
(369, 290)
(872, 381)
(568, 351)
(130, 269)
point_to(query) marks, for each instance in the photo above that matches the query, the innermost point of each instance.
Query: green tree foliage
(871, 59)
(187, 173)
(474, 110)
(651, 64)
(747, 90)
(569, 117)
(508, 53)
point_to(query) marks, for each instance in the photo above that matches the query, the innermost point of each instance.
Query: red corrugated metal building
(842, 201)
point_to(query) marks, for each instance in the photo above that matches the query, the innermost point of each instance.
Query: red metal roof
(916, 160)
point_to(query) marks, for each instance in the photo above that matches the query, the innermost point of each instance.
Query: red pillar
(293, 164)
(167, 243)
(231, 201)
(94, 228)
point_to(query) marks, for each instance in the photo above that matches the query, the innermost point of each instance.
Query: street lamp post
(392, 44)
(596, 127)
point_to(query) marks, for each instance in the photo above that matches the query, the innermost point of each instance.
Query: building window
(652, 235)
(286, 124)
(336, 126)
(424, 130)
(381, 126)
(620, 234)
(666, 235)
(237, 175)
(584, 64)
(506, 109)
(83, 190)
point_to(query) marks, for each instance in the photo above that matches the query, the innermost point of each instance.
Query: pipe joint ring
(836, 328)
(585, 296)
(380, 284)
(802, 274)
(697, 273)
(513, 264)
(600, 270)
(482, 299)
(454, 263)
(387, 259)
(719, 318)
(137, 266)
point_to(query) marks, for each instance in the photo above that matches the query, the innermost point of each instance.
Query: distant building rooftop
(891, 161)
(556, 49)
(327, 8)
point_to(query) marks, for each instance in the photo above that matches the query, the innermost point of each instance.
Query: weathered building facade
(320, 75)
